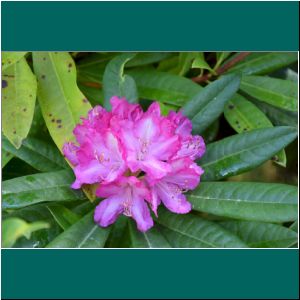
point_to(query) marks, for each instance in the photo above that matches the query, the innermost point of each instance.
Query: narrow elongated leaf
(145, 58)
(5, 157)
(60, 99)
(63, 216)
(243, 115)
(242, 152)
(208, 104)
(266, 202)
(83, 234)
(263, 63)
(116, 83)
(278, 116)
(118, 236)
(277, 92)
(150, 239)
(14, 228)
(31, 189)
(190, 231)
(18, 100)
(10, 58)
(39, 154)
(262, 235)
(164, 87)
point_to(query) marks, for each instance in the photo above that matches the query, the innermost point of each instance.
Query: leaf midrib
(189, 236)
(270, 92)
(239, 200)
(241, 151)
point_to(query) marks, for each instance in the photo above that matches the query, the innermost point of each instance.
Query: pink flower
(184, 176)
(137, 159)
(149, 142)
(126, 196)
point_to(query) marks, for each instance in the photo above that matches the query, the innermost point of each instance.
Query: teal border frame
(150, 26)
(150, 274)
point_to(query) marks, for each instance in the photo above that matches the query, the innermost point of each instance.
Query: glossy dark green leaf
(190, 231)
(208, 104)
(63, 216)
(278, 116)
(242, 152)
(243, 115)
(277, 92)
(264, 62)
(44, 187)
(10, 58)
(14, 228)
(60, 99)
(262, 235)
(118, 235)
(116, 83)
(266, 202)
(18, 101)
(83, 234)
(152, 238)
(39, 154)
(164, 87)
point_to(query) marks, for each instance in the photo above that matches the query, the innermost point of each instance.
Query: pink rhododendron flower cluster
(140, 160)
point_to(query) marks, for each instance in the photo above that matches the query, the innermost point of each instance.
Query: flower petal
(108, 210)
(173, 199)
(69, 150)
(141, 214)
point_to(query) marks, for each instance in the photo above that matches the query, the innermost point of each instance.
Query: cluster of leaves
(254, 94)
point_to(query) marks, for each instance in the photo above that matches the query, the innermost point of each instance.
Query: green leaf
(33, 213)
(150, 239)
(83, 234)
(18, 101)
(5, 157)
(63, 216)
(277, 92)
(190, 231)
(118, 237)
(206, 106)
(166, 108)
(60, 99)
(242, 152)
(262, 235)
(200, 62)
(164, 87)
(146, 58)
(10, 58)
(294, 226)
(243, 115)
(221, 56)
(263, 63)
(44, 187)
(14, 228)
(266, 202)
(188, 60)
(278, 116)
(39, 154)
(116, 83)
